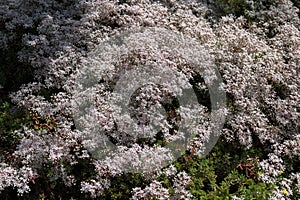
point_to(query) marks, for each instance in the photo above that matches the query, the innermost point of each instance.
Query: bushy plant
(61, 63)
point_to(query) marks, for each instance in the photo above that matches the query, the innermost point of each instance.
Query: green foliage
(9, 121)
(122, 185)
(291, 166)
(222, 174)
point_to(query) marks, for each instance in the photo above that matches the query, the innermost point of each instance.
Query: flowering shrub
(63, 61)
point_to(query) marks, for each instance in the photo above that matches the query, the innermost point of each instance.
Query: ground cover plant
(67, 67)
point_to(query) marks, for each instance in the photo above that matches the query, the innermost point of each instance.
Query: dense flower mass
(79, 60)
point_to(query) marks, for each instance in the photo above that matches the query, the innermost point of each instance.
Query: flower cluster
(17, 178)
(154, 190)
